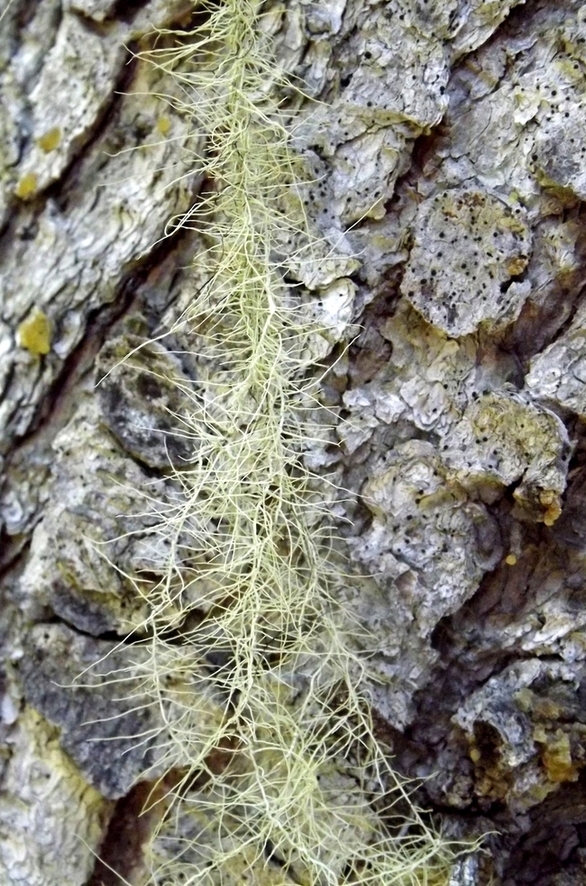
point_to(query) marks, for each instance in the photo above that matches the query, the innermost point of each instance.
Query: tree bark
(450, 158)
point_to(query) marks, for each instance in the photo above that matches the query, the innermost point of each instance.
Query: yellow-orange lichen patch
(557, 756)
(27, 186)
(34, 333)
(550, 501)
(50, 139)
(164, 125)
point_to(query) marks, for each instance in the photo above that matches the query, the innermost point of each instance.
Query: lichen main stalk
(279, 775)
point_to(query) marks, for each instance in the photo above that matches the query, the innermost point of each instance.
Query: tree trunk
(450, 157)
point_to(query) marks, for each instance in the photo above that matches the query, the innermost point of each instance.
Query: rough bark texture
(451, 154)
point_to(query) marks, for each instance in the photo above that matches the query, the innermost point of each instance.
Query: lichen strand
(248, 588)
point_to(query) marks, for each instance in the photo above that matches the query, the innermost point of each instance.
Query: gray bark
(451, 153)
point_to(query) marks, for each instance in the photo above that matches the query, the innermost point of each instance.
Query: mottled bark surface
(450, 158)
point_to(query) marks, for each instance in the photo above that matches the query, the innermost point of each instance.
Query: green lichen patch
(510, 440)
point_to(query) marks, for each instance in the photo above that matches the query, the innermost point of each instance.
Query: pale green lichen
(302, 778)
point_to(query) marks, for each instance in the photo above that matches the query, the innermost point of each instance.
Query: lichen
(34, 333)
(242, 517)
(468, 248)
